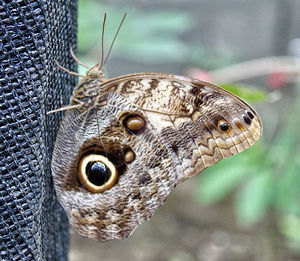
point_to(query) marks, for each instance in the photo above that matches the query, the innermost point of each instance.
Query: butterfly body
(144, 133)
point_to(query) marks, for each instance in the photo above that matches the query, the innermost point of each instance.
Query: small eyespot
(251, 116)
(96, 173)
(129, 156)
(134, 123)
(246, 119)
(223, 125)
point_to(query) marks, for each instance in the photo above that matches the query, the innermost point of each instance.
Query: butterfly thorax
(88, 90)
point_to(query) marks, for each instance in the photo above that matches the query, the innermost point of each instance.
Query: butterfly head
(95, 72)
(88, 87)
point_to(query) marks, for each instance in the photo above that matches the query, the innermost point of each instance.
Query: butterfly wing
(186, 112)
(157, 130)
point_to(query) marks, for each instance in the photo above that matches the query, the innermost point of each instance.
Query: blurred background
(246, 207)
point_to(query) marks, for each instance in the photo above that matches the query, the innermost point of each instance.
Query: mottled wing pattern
(187, 116)
(181, 137)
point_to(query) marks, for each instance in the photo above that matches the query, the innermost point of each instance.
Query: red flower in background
(276, 80)
(200, 74)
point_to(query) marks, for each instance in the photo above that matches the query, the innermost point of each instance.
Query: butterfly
(125, 143)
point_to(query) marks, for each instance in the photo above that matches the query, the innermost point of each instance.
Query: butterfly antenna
(115, 37)
(102, 41)
(68, 71)
(76, 59)
(66, 108)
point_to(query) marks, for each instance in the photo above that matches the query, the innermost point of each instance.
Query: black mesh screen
(33, 33)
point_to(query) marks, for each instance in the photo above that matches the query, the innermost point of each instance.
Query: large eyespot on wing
(160, 143)
(96, 172)
(99, 204)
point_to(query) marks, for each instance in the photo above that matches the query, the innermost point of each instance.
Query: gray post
(33, 33)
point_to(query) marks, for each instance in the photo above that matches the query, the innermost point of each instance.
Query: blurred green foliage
(246, 92)
(245, 171)
(152, 36)
(265, 178)
(156, 36)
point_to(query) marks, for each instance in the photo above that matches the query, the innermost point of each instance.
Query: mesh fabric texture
(33, 33)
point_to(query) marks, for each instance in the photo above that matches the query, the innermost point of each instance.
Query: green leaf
(288, 192)
(145, 36)
(216, 187)
(159, 50)
(169, 21)
(89, 24)
(219, 180)
(210, 58)
(244, 92)
(290, 227)
(254, 198)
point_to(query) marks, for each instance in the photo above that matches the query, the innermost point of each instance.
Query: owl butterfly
(125, 143)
